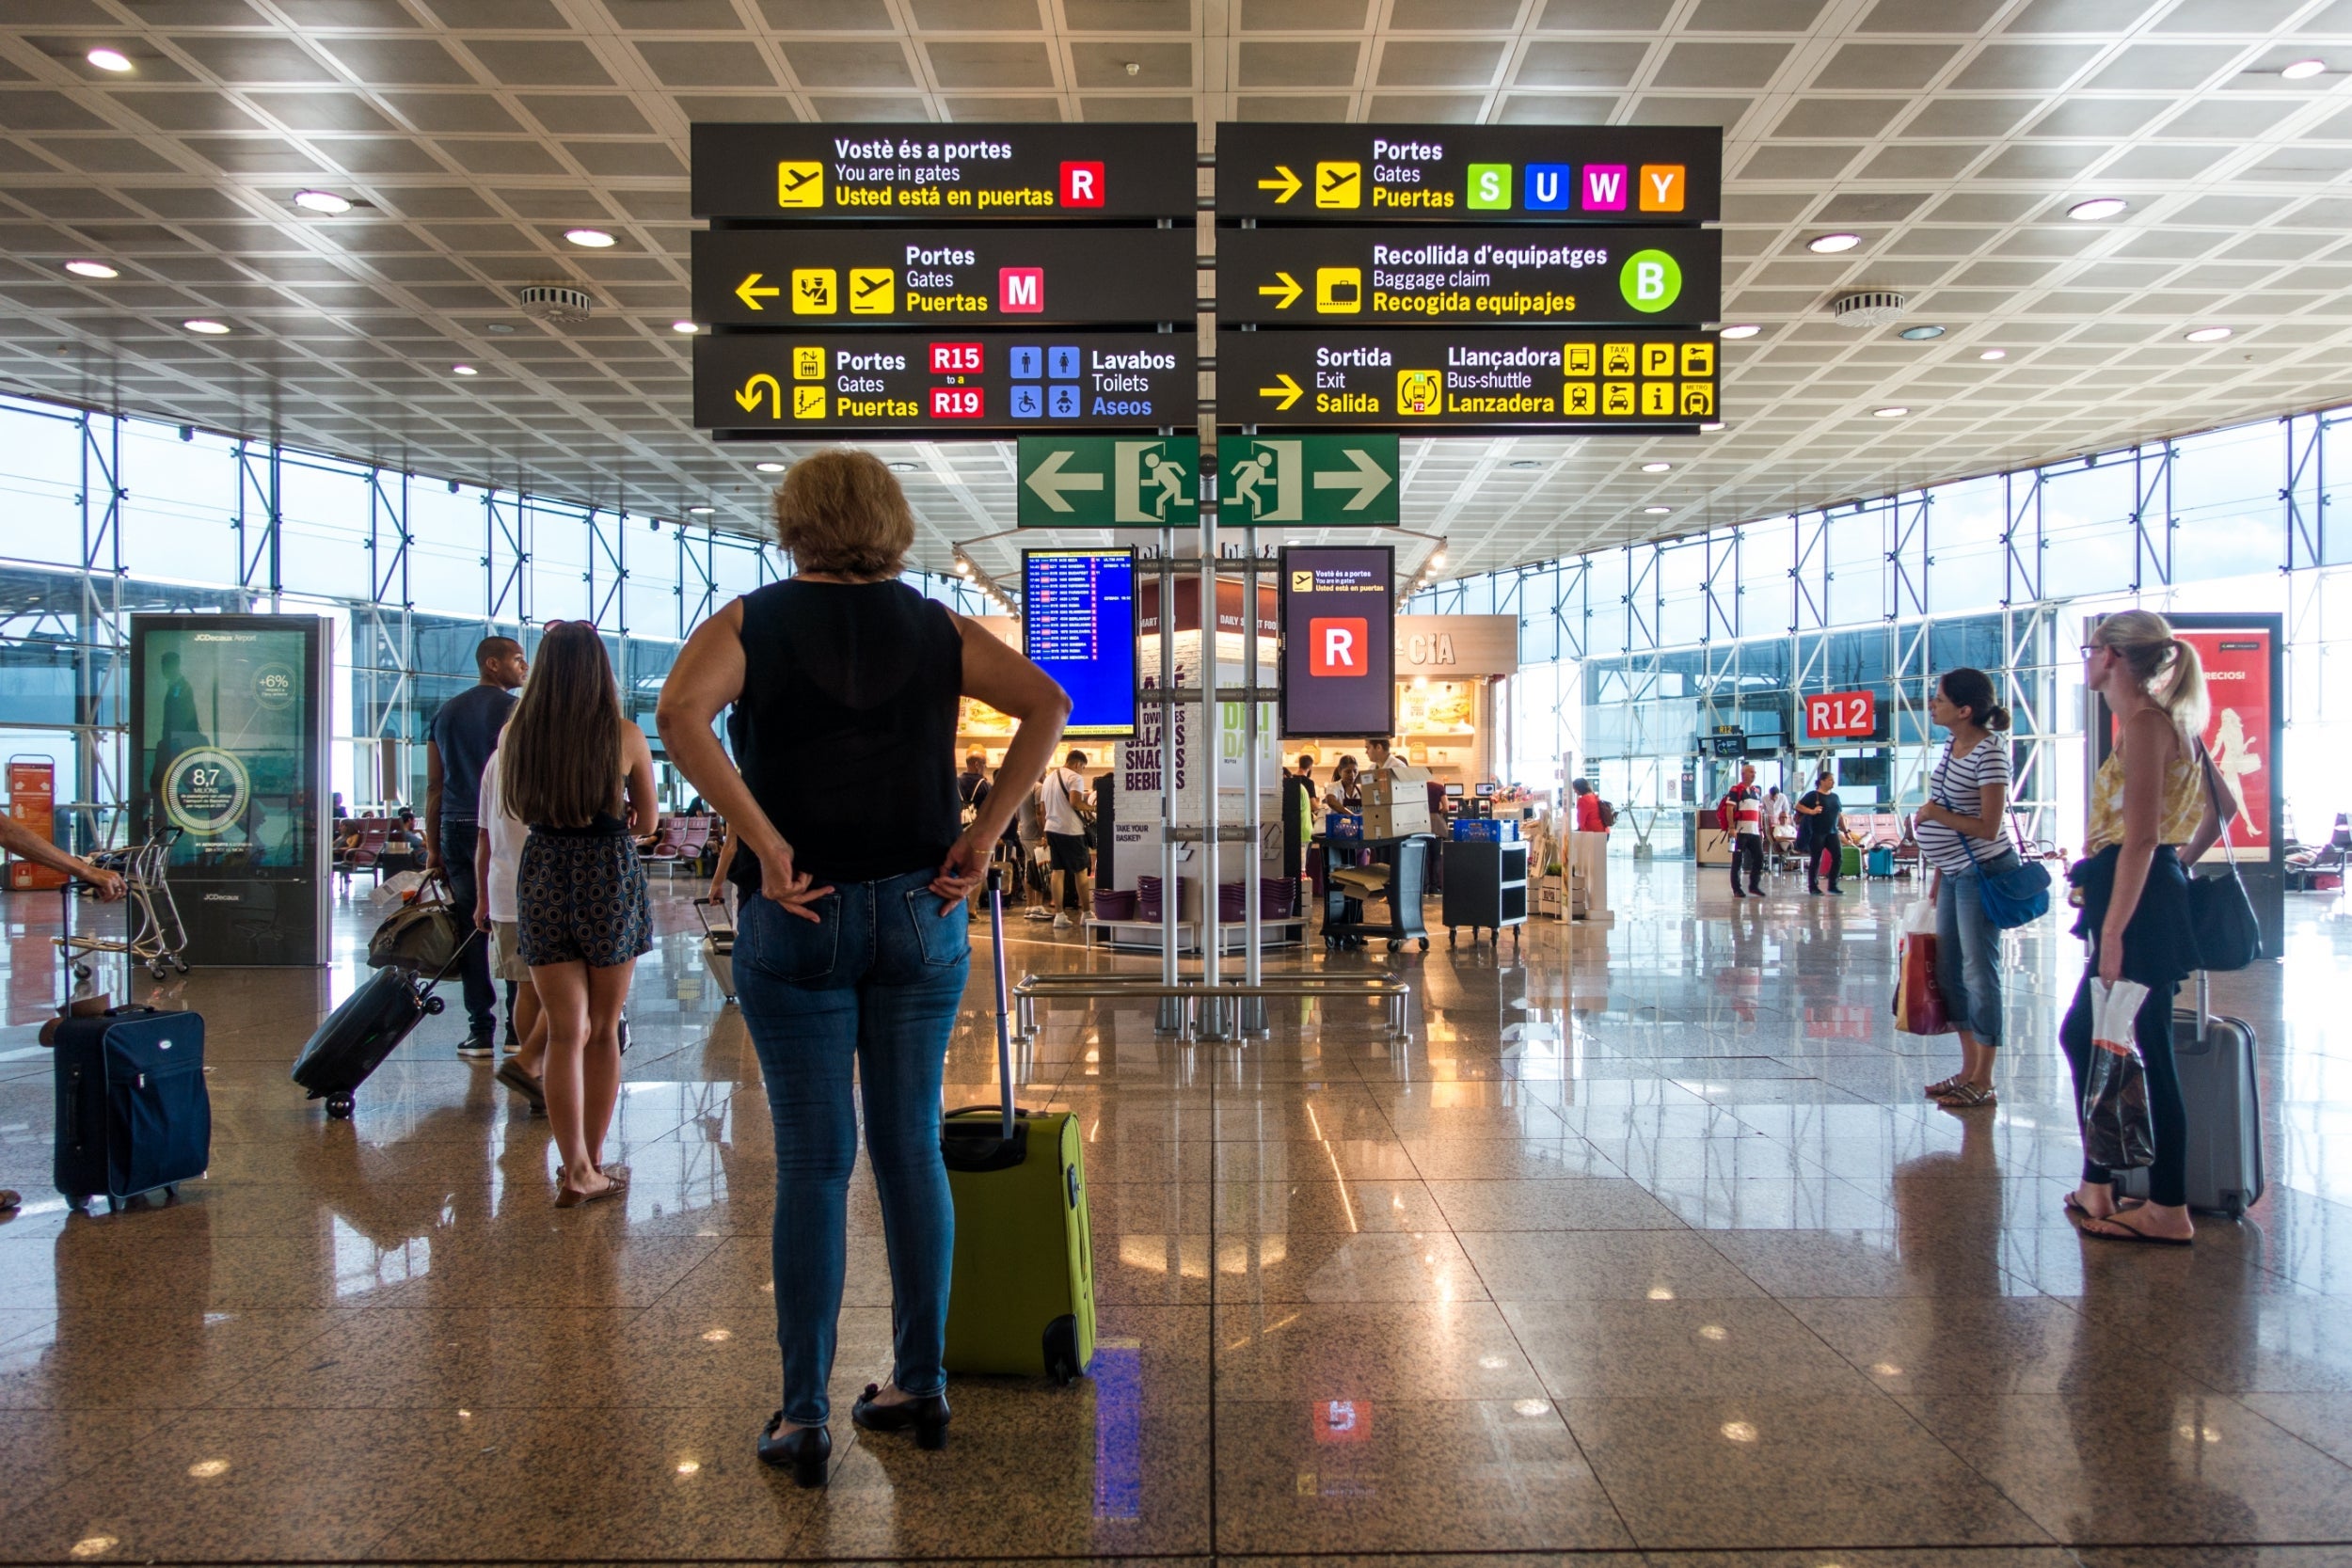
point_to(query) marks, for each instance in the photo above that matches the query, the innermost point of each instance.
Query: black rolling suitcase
(2215, 1057)
(358, 1035)
(133, 1112)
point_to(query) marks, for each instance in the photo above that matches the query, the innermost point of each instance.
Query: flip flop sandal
(1938, 1090)
(2133, 1233)
(1967, 1097)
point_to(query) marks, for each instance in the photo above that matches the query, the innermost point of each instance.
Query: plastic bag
(399, 885)
(1919, 1007)
(2118, 1132)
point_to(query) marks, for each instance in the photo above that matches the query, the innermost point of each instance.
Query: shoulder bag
(2010, 898)
(2220, 913)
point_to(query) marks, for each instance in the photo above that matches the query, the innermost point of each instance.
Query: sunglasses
(552, 625)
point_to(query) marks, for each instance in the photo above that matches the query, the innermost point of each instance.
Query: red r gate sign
(1840, 715)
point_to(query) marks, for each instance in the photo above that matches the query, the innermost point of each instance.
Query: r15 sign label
(1840, 716)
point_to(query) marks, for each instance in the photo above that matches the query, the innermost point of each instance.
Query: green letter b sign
(1651, 280)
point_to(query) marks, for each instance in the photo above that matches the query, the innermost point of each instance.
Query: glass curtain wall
(1632, 660)
(108, 516)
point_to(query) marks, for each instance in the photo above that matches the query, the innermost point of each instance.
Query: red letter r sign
(1336, 646)
(1082, 185)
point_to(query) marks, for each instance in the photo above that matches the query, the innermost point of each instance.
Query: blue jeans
(871, 988)
(1969, 952)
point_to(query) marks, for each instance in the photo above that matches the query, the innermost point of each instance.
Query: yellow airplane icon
(1339, 185)
(800, 184)
(872, 291)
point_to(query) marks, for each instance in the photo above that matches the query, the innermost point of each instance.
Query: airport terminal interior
(1536, 1189)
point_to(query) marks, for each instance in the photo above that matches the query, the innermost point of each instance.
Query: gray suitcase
(2215, 1057)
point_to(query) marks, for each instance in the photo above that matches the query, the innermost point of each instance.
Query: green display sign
(1109, 482)
(1314, 481)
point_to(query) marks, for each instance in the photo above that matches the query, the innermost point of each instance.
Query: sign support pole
(1212, 1022)
(1171, 1011)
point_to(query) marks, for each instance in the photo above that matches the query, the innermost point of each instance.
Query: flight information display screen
(1078, 622)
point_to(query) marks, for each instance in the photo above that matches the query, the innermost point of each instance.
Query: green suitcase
(1022, 1298)
(1849, 860)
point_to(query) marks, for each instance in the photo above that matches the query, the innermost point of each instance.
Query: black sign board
(1339, 642)
(1374, 174)
(941, 384)
(1490, 277)
(1656, 382)
(943, 173)
(1026, 276)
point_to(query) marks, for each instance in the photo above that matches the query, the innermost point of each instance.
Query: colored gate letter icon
(1549, 187)
(800, 184)
(1021, 291)
(1650, 280)
(1661, 187)
(1604, 187)
(1491, 186)
(1336, 645)
(1082, 185)
(1419, 391)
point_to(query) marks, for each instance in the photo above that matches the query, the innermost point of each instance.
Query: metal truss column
(260, 556)
(383, 662)
(2021, 537)
(2151, 500)
(608, 570)
(101, 683)
(697, 580)
(506, 578)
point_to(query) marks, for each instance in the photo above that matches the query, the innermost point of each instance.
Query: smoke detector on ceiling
(1870, 308)
(555, 302)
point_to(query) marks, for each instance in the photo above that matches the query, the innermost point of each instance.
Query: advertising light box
(1332, 173)
(1556, 379)
(1495, 277)
(1338, 609)
(939, 386)
(932, 173)
(1078, 624)
(1004, 276)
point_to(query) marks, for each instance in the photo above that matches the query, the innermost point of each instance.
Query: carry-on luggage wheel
(339, 1107)
(433, 1005)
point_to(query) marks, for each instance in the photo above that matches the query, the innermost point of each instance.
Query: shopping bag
(2118, 1132)
(1919, 1007)
(422, 934)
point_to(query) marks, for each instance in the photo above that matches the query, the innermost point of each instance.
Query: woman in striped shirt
(1967, 797)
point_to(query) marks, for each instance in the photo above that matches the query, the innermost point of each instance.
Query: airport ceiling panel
(1948, 137)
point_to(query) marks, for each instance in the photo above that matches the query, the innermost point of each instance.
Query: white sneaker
(1036, 914)
(1063, 923)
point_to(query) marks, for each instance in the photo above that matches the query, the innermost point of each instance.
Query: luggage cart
(155, 936)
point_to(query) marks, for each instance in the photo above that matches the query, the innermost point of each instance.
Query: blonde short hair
(842, 512)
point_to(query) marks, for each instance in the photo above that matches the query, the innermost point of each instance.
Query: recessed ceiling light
(108, 59)
(1830, 244)
(1710, 427)
(91, 269)
(322, 201)
(685, 329)
(2096, 207)
(1895, 413)
(209, 328)
(702, 511)
(1921, 333)
(768, 467)
(904, 467)
(2300, 69)
(1745, 329)
(1656, 511)
(590, 239)
(1994, 354)
(2208, 334)
(463, 369)
(1656, 467)
(499, 328)
(1524, 463)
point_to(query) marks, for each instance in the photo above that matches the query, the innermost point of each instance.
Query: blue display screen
(1078, 622)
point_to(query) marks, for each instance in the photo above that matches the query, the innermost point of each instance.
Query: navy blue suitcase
(133, 1110)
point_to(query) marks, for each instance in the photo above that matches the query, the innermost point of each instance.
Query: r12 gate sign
(1840, 716)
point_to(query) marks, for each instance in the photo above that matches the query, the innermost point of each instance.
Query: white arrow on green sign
(1320, 481)
(1109, 481)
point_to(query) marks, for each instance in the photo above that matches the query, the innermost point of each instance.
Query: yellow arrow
(1284, 291)
(1287, 184)
(748, 398)
(751, 297)
(1289, 391)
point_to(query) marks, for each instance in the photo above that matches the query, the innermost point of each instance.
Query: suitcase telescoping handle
(1004, 1024)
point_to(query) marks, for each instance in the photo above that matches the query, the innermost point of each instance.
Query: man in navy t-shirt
(464, 733)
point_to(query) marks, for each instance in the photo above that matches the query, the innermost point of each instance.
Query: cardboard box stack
(1394, 807)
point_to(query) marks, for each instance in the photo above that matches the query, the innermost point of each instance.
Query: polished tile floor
(1642, 1244)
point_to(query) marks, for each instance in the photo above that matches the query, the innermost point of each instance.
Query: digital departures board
(1589, 381)
(1078, 624)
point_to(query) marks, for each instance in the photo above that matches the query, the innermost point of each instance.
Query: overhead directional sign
(931, 387)
(1653, 382)
(1006, 276)
(1067, 173)
(1314, 481)
(1309, 276)
(1108, 481)
(1374, 174)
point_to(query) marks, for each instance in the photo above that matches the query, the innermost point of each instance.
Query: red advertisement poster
(2238, 731)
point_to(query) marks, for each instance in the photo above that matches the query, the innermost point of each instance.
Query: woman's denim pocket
(945, 940)
(778, 943)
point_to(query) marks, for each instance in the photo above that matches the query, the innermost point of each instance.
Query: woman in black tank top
(851, 961)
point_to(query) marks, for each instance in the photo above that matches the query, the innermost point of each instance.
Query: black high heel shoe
(926, 1417)
(804, 1450)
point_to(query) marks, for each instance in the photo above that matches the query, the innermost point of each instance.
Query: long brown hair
(561, 750)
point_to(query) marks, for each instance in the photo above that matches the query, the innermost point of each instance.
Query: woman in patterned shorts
(572, 766)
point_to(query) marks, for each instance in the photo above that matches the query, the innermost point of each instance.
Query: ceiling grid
(1950, 134)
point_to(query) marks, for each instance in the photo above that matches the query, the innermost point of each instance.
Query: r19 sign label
(955, 403)
(1840, 716)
